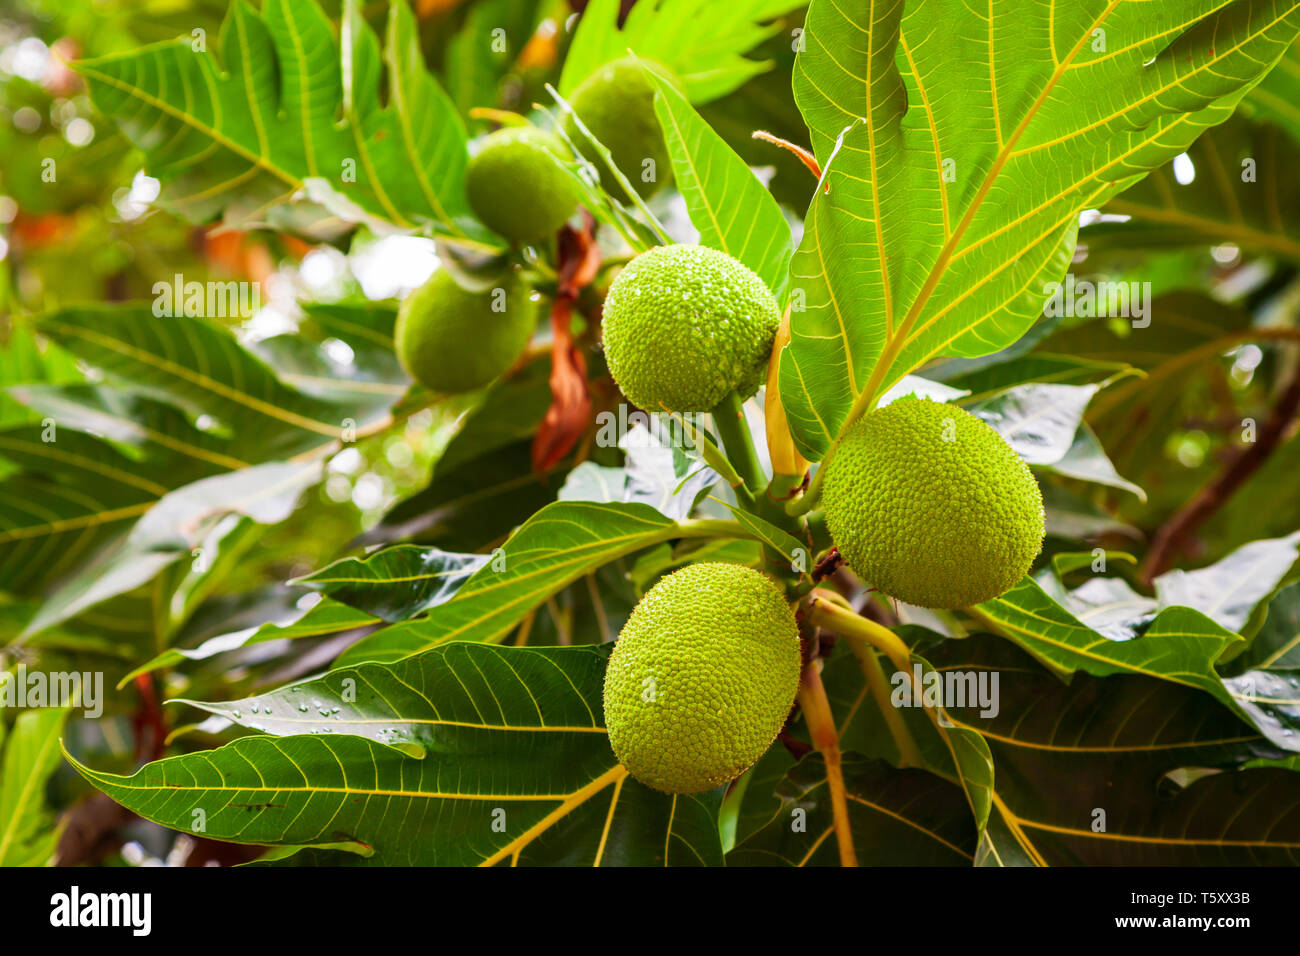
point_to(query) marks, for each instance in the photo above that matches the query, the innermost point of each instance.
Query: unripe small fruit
(617, 103)
(515, 186)
(927, 503)
(702, 678)
(452, 339)
(684, 325)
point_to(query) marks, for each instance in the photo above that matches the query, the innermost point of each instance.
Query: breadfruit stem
(825, 609)
(737, 442)
(831, 611)
(909, 755)
(805, 502)
(821, 727)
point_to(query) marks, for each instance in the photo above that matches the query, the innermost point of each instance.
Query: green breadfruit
(927, 503)
(702, 677)
(684, 325)
(516, 188)
(452, 339)
(617, 104)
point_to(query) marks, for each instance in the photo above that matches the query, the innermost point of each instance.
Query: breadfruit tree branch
(821, 727)
(738, 442)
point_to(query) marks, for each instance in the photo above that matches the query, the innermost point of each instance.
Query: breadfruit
(702, 677)
(684, 325)
(516, 188)
(927, 503)
(617, 104)
(453, 339)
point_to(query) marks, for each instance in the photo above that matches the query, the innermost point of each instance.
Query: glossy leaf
(396, 583)
(656, 473)
(1277, 645)
(1118, 739)
(1276, 96)
(323, 618)
(555, 547)
(203, 369)
(508, 777)
(1181, 645)
(178, 523)
(956, 160)
(1232, 591)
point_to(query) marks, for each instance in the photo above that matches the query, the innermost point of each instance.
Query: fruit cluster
(924, 501)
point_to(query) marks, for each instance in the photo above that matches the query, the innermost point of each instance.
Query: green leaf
(732, 210)
(475, 65)
(516, 770)
(1180, 352)
(74, 494)
(554, 548)
(199, 366)
(1234, 591)
(956, 754)
(897, 818)
(179, 522)
(22, 360)
(706, 57)
(324, 617)
(656, 473)
(369, 380)
(1277, 645)
(1037, 367)
(1110, 607)
(1277, 95)
(1121, 742)
(1074, 519)
(146, 428)
(396, 583)
(1043, 422)
(1243, 193)
(1086, 460)
(28, 837)
(184, 402)
(1039, 421)
(1181, 646)
(235, 133)
(956, 159)
(789, 550)
(483, 484)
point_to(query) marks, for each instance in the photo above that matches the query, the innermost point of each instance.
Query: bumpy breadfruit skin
(927, 503)
(684, 325)
(617, 103)
(516, 189)
(451, 340)
(702, 677)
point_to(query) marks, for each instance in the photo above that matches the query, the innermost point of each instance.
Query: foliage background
(229, 510)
